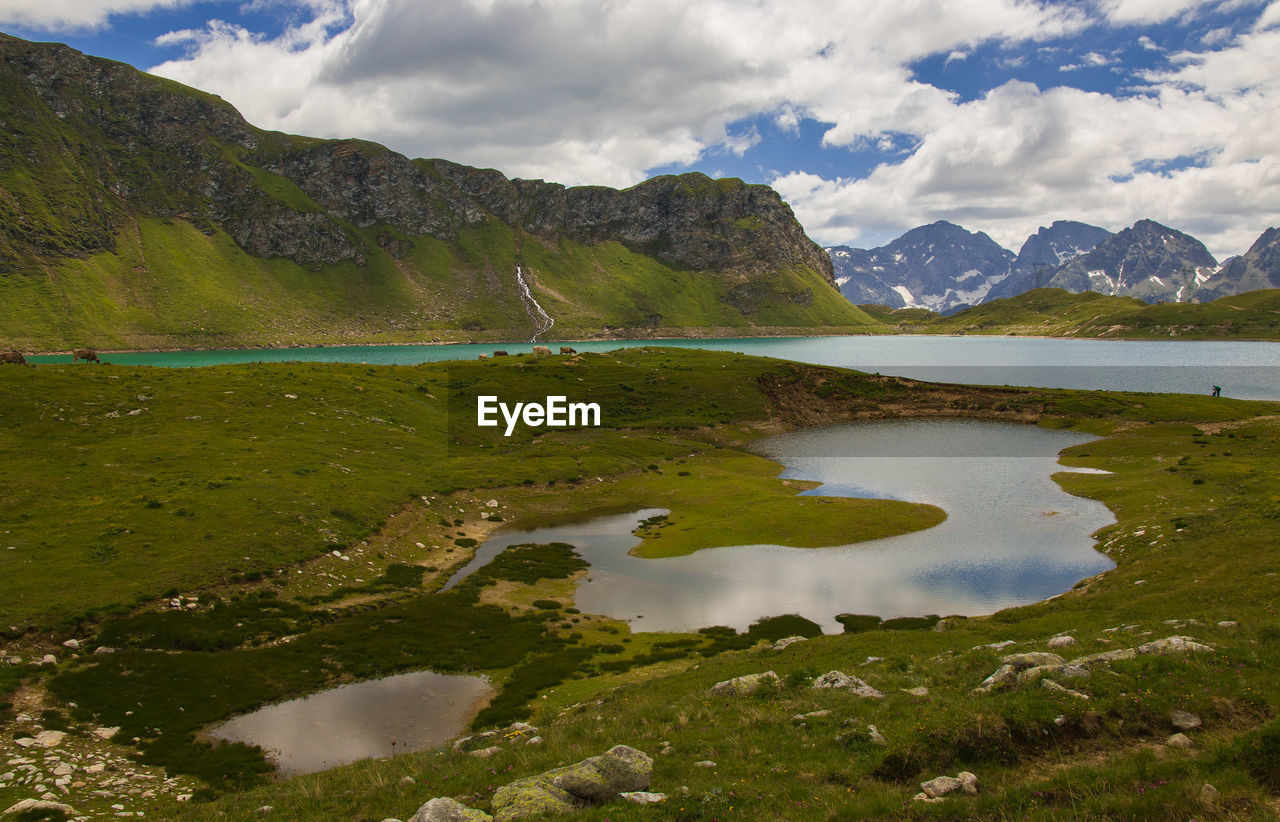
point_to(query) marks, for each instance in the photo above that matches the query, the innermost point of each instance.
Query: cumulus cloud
(579, 91)
(61, 15)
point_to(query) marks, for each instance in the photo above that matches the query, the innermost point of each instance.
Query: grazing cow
(499, 353)
(564, 349)
(12, 356)
(541, 351)
(484, 356)
(86, 354)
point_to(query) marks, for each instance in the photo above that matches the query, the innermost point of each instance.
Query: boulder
(1037, 673)
(743, 685)
(445, 809)
(1004, 675)
(600, 779)
(33, 807)
(1050, 685)
(1035, 659)
(1062, 641)
(941, 786)
(1172, 645)
(1184, 721)
(785, 641)
(968, 781)
(839, 679)
(643, 797)
(1180, 741)
(531, 797)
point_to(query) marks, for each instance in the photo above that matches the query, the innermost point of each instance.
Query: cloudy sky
(869, 116)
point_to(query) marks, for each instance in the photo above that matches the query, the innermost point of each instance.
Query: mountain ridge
(106, 166)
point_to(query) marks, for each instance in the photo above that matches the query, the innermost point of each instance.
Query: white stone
(643, 797)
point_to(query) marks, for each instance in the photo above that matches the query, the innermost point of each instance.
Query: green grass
(1192, 488)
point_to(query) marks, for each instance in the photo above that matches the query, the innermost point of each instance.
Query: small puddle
(363, 720)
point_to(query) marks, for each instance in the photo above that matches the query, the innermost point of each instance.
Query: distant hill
(137, 212)
(1054, 312)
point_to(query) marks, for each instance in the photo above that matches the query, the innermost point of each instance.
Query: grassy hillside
(1057, 313)
(234, 485)
(169, 285)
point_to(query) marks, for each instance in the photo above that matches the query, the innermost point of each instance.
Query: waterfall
(542, 321)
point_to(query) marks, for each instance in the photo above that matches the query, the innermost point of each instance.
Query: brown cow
(12, 356)
(499, 353)
(564, 349)
(86, 354)
(541, 351)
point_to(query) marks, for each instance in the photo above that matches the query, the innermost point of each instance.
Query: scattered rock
(106, 733)
(1227, 623)
(810, 715)
(485, 753)
(1184, 721)
(968, 782)
(706, 763)
(1004, 675)
(1062, 641)
(644, 797)
(533, 740)
(73, 644)
(942, 625)
(785, 641)
(1180, 741)
(445, 809)
(743, 685)
(919, 691)
(839, 679)
(876, 737)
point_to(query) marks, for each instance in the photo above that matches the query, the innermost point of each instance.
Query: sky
(870, 117)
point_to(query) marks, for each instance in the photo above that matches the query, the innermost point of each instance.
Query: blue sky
(869, 117)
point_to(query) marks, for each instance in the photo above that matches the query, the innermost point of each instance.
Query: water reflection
(1012, 536)
(380, 717)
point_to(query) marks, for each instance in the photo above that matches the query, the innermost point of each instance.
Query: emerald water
(1012, 536)
(1247, 370)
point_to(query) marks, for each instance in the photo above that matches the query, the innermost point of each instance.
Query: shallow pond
(379, 717)
(1012, 536)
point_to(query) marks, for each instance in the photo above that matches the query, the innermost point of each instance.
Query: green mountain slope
(1058, 313)
(135, 212)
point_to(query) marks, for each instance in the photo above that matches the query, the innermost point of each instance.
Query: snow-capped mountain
(941, 266)
(1044, 252)
(1149, 261)
(1259, 267)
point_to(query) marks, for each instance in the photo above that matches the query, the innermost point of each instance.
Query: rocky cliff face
(118, 142)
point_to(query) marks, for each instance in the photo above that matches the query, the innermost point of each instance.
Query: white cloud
(1148, 11)
(581, 91)
(62, 15)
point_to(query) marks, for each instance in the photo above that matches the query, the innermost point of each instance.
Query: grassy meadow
(306, 514)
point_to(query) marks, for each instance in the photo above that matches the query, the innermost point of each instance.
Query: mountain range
(945, 268)
(137, 212)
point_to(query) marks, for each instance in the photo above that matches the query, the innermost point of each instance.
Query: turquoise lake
(1247, 370)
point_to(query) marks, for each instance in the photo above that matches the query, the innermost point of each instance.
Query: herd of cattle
(538, 351)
